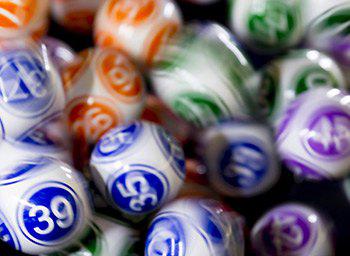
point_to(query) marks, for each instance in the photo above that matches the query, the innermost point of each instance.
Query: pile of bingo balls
(127, 128)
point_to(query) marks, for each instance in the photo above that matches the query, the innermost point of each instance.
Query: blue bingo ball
(138, 167)
(31, 91)
(241, 158)
(195, 227)
(45, 205)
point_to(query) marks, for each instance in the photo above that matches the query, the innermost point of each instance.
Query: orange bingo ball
(75, 15)
(20, 18)
(104, 89)
(139, 27)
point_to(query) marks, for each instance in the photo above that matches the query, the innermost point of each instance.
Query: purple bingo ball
(313, 135)
(292, 230)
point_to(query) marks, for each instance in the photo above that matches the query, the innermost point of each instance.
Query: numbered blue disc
(166, 237)
(7, 234)
(51, 213)
(25, 86)
(115, 142)
(243, 165)
(171, 150)
(139, 190)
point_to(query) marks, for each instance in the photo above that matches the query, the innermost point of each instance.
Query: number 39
(61, 209)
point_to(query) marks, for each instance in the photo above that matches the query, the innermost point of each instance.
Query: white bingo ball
(267, 26)
(138, 167)
(104, 89)
(31, 91)
(291, 75)
(44, 205)
(195, 227)
(313, 136)
(139, 27)
(312, 9)
(203, 76)
(241, 158)
(38, 144)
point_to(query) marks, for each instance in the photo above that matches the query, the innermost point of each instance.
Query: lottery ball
(103, 89)
(241, 158)
(139, 27)
(61, 54)
(329, 33)
(196, 227)
(292, 229)
(37, 143)
(267, 26)
(313, 9)
(101, 239)
(138, 167)
(23, 18)
(313, 135)
(297, 72)
(31, 89)
(44, 206)
(204, 77)
(75, 15)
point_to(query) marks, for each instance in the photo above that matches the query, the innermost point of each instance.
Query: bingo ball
(30, 89)
(104, 89)
(35, 143)
(75, 15)
(299, 71)
(61, 54)
(139, 27)
(138, 167)
(44, 206)
(196, 227)
(19, 18)
(292, 229)
(329, 33)
(313, 9)
(313, 136)
(101, 239)
(267, 26)
(204, 77)
(241, 158)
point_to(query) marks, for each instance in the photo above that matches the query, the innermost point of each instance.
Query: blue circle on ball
(7, 234)
(171, 150)
(116, 142)
(25, 87)
(166, 237)
(139, 190)
(243, 164)
(50, 215)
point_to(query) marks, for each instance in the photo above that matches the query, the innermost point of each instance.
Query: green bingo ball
(204, 76)
(299, 71)
(267, 26)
